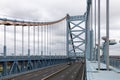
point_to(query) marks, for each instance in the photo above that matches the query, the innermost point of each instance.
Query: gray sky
(114, 24)
(41, 9)
(50, 10)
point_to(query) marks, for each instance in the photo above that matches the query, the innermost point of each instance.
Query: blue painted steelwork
(79, 44)
(12, 65)
(87, 45)
(104, 52)
(91, 46)
(104, 47)
(96, 55)
(115, 61)
(87, 35)
(17, 64)
(75, 36)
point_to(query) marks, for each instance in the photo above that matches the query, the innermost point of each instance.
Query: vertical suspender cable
(107, 34)
(28, 41)
(50, 40)
(15, 40)
(5, 41)
(55, 42)
(45, 43)
(34, 40)
(44, 40)
(38, 40)
(41, 40)
(65, 37)
(90, 32)
(47, 38)
(95, 30)
(98, 34)
(4, 63)
(54, 49)
(22, 40)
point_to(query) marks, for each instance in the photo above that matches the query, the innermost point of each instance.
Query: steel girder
(16, 66)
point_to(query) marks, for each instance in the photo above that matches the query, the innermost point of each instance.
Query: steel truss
(12, 65)
(76, 36)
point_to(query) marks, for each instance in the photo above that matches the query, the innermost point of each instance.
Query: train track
(74, 71)
(38, 75)
(80, 75)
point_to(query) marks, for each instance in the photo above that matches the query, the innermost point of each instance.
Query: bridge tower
(75, 36)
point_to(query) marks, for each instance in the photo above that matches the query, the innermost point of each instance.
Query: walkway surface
(93, 74)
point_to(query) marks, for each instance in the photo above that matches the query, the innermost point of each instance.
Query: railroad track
(80, 75)
(40, 74)
(74, 71)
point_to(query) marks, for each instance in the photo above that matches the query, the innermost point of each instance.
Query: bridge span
(65, 49)
(43, 46)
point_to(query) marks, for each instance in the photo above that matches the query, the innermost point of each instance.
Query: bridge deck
(93, 74)
(74, 72)
(36, 74)
(57, 72)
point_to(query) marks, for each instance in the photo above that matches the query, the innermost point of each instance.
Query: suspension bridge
(64, 49)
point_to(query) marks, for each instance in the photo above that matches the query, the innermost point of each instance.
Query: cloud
(50, 10)
(42, 9)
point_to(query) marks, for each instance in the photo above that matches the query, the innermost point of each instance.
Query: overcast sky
(50, 10)
(41, 9)
(114, 24)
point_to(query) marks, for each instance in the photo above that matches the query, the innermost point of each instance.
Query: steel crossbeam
(76, 35)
